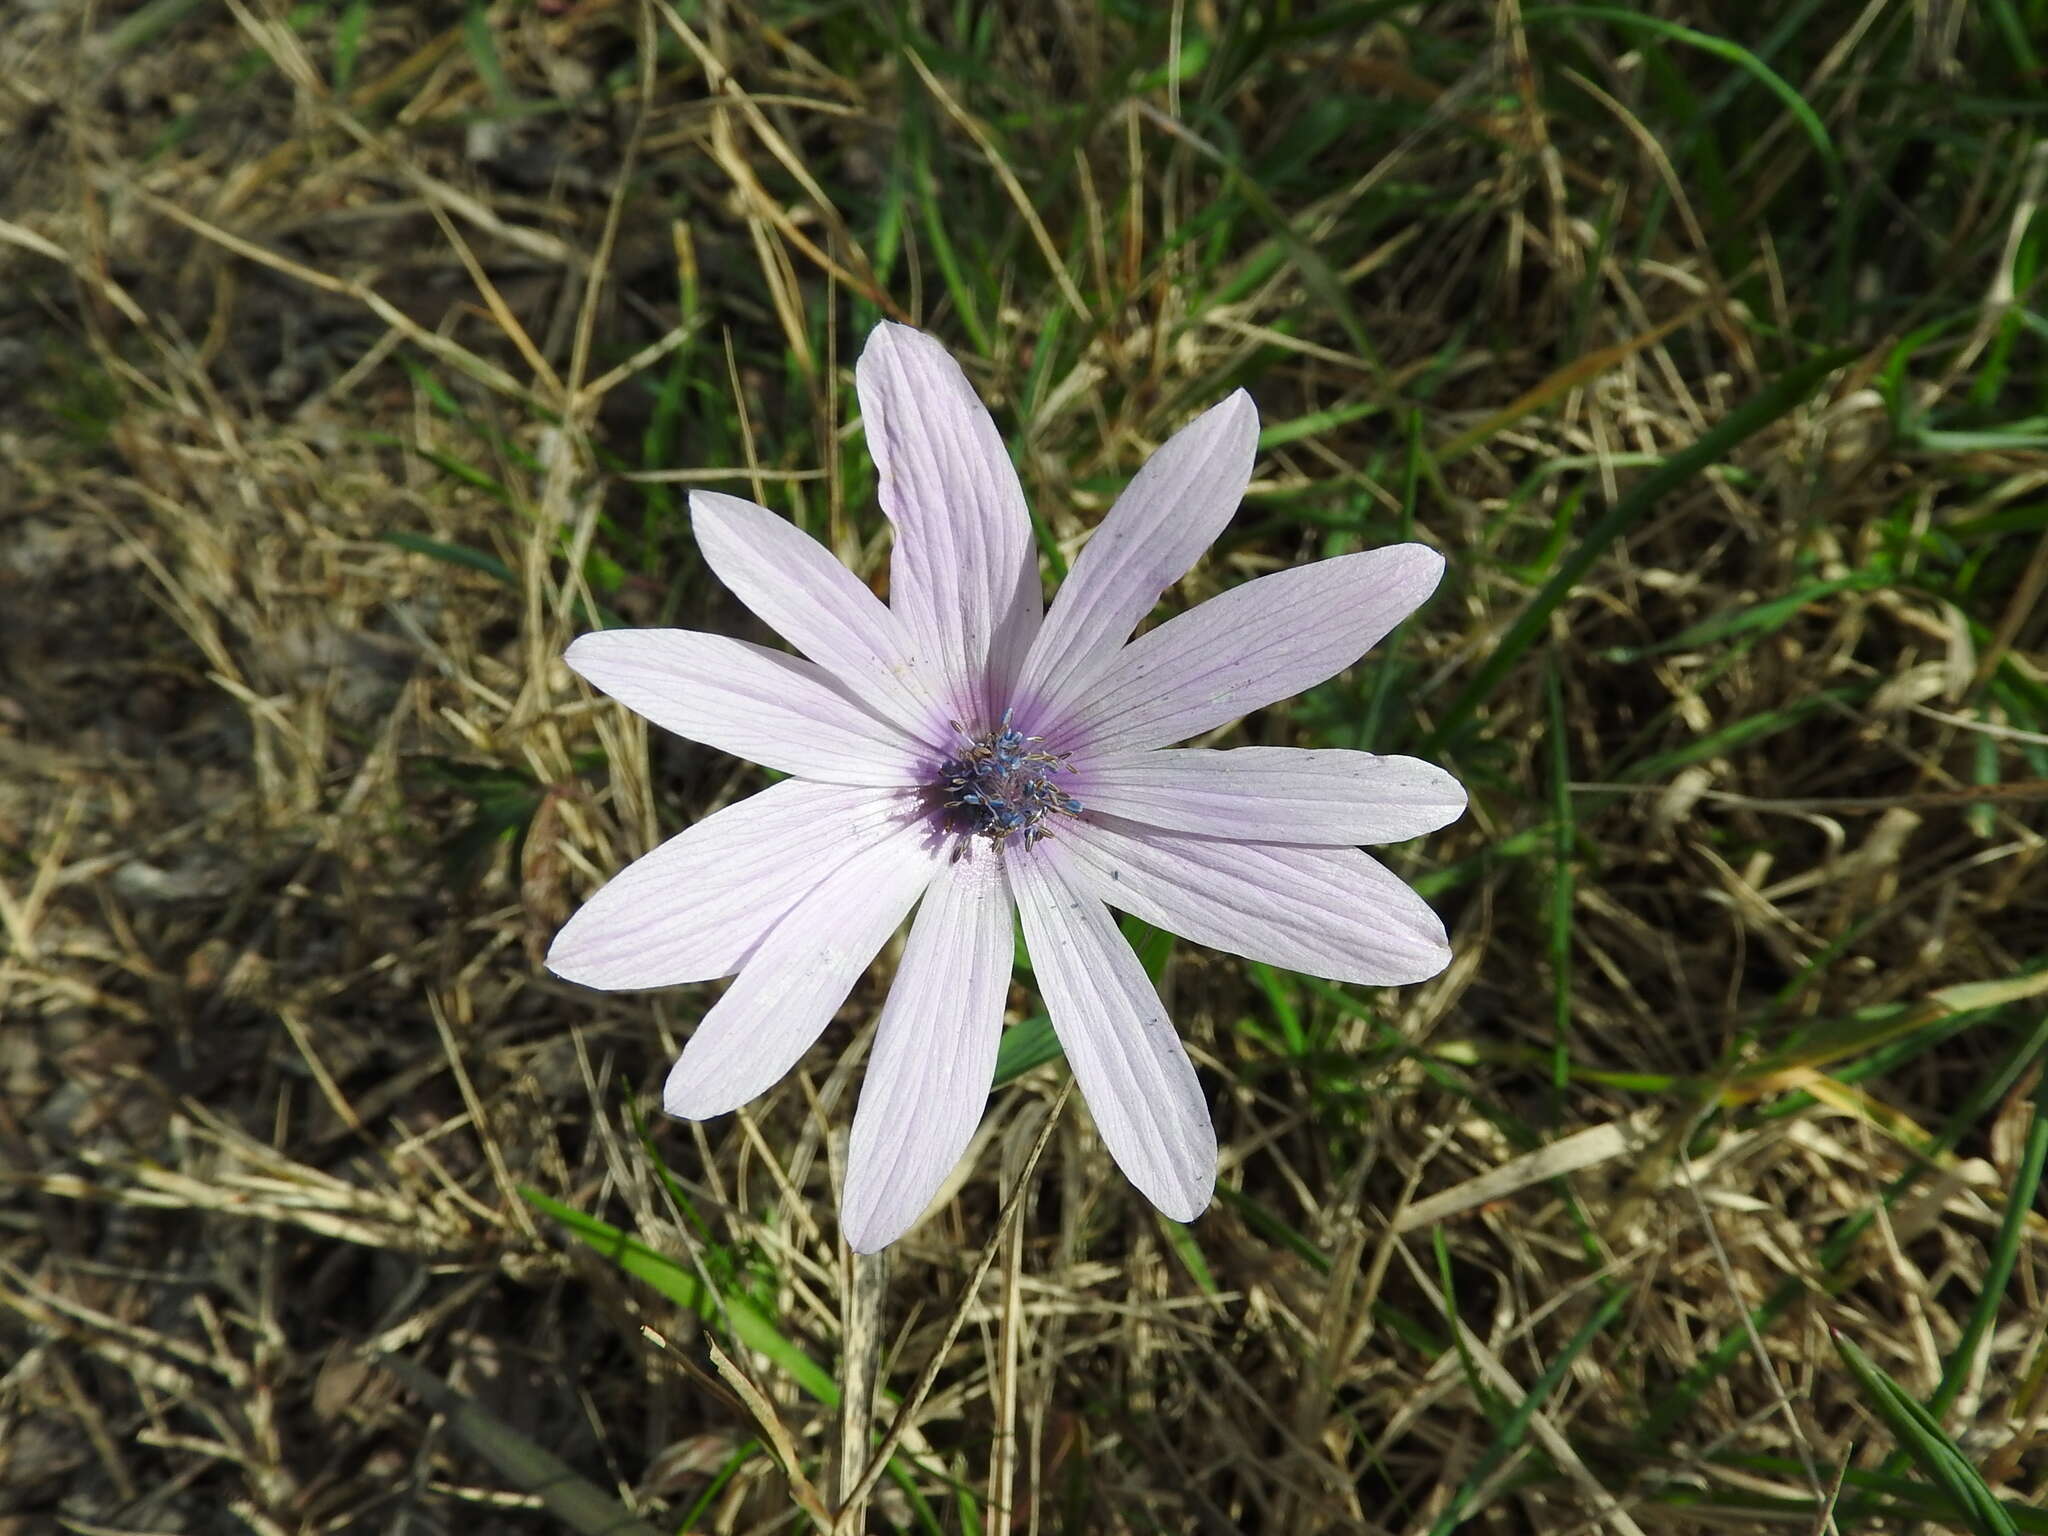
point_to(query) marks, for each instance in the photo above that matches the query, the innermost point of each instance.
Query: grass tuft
(358, 356)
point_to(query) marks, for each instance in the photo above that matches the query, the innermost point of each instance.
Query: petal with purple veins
(798, 976)
(934, 1055)
(964, 573)
(797, 589)
(1272, 794)
(1330, 912)
(1174, 508)
(1131, 1066)
(1243, 649)
(773, 709)
(695, 908)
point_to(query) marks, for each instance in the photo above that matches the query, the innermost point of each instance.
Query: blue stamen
(1000, 786)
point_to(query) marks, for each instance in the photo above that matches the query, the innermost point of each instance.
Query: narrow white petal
(745, 699)
(798, 976)
(935, 1053)
(1245, 648)
(964, 573)
(1272, 794)
(794, 585)
(1132, 1068)
(1330, 912)
(1174, 508)
(695, 908)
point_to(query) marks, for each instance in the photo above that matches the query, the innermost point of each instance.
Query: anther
(999, 786)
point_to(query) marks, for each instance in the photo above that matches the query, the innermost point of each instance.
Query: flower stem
(864, 1277)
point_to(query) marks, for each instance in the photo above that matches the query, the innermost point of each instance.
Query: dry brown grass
(272, 1070)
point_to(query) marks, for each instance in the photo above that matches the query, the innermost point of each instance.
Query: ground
(356, 356)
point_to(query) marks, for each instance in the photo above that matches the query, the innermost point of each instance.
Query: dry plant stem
(1010, 183)
(488, 374)
(800, 1490)
(865, 1278)
(1002, 1460)
(1795, 1430)
(227, 1102)
(861, 277)
(1542, 1425)
(907, 1415)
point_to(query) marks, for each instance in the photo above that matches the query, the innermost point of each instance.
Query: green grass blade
(1720, 47)
(747, 1451)
(1754, 619)
(453, 554)
(528, 1466)
(1189, 1252)
(750, 1325)
(1562, 892)
(1991, 1294)
(1024, 1046)
(2012, 1231)
(1515, 1428)
(1756, 413)
(483, 53)
(1938, 1457)
(1842, 1243)
(1033, 1043)
(349, 29)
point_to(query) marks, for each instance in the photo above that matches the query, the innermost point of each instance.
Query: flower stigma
(1002, 786)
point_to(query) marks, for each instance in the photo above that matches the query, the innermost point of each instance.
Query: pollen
(1003, 785)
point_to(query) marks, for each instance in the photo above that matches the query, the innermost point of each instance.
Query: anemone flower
(966, 753)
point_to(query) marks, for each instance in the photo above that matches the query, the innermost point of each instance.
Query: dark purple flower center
(1002, 786)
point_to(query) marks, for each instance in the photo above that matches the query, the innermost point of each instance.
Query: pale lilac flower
(958, 752)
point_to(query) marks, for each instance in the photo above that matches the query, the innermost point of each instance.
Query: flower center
(1000, 785)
